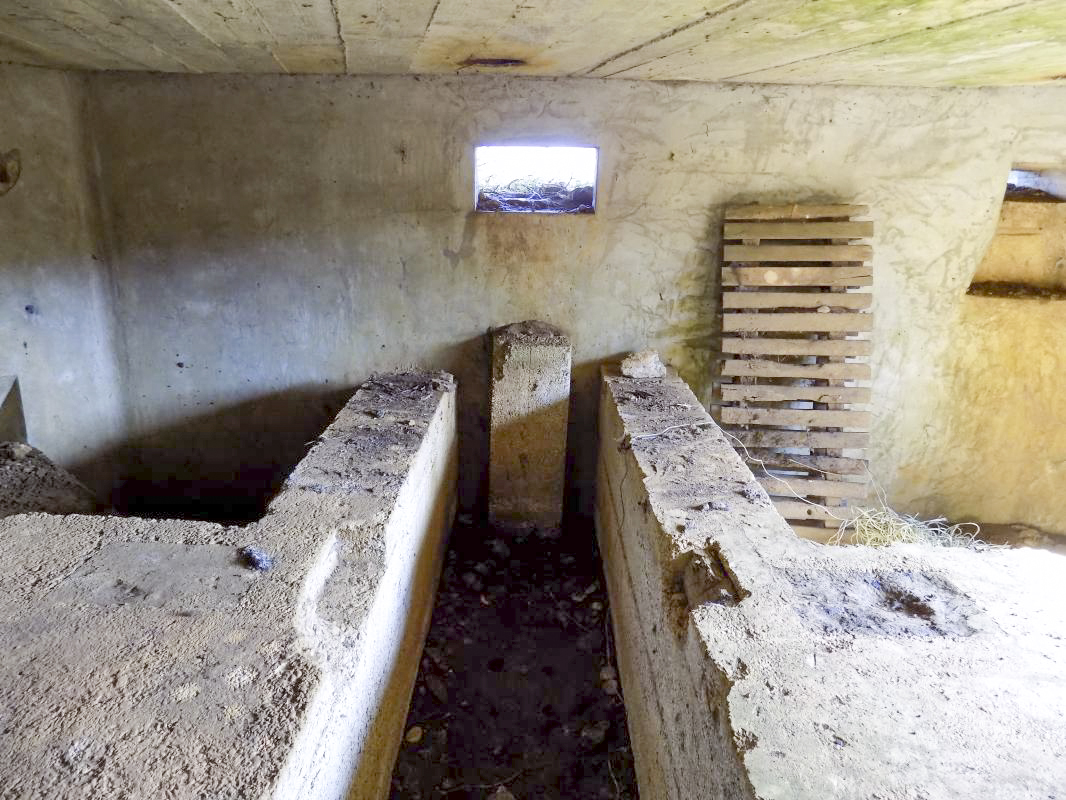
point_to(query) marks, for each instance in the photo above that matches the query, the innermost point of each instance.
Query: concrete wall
(274, 239)
(55, 308)
(1004, 443)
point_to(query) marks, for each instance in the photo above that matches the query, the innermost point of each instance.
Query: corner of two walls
(56, 332)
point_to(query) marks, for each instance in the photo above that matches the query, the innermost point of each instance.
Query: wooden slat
(797, 230)
(817, 394)
(855, 301)
(797, 509)
(797, 347)
(761, 212)
(812, 488)
(797, 276)
(834, 465)
(811, 417)
(797, 252)
(835, 439)
(772, 369)
(797, 322)
(813, 533)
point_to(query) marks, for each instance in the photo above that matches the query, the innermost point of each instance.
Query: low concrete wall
(163, 658)
(759, 665)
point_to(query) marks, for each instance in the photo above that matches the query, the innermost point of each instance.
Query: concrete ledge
(151, 658)
(759, 665)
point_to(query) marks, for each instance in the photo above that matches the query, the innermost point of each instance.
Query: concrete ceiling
(918, 43)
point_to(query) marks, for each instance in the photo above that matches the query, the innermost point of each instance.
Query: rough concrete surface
(756, 664)
(217, 327)
(529, 407)
(30, 481)
(933, 42)
(151, 658)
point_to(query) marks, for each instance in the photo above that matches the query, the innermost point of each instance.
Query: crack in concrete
(340, 33)
(708, 15)
(432, 15)
(873, 43)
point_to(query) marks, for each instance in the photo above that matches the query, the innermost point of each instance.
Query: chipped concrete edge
(355, 722)
(676, 697)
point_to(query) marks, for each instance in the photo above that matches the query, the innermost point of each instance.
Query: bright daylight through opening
(552, 180)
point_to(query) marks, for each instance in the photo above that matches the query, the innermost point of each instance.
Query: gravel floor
(517, 695)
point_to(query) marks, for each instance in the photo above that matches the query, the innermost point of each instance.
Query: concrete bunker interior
(268, 381)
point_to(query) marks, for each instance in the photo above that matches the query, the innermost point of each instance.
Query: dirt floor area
(518, 693)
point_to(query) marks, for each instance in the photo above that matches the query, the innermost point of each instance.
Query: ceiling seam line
(853, 47)
(666, 35)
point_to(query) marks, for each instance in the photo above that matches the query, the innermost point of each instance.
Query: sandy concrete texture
(150, 658)
(217, 326)
(756, 664)
(528, 410)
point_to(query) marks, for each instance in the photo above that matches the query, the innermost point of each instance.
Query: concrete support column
(529, 408)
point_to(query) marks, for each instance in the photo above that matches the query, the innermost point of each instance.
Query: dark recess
(493, 62)
(1016, 290)
(518, 685)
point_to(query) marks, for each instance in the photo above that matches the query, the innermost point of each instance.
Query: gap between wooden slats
(847, 440)
(797, 230)
(781, 417)
(797, 276)
(828, 465)
(762, 393)
(759, 368)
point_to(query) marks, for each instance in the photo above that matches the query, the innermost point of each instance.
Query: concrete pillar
(527, 440)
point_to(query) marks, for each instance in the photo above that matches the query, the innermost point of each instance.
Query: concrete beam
(163, 658)
(759, 665)
(530, 405)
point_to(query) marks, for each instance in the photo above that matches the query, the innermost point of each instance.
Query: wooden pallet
(796, 325)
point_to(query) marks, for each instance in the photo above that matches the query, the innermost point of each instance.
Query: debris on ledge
(643, 364)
